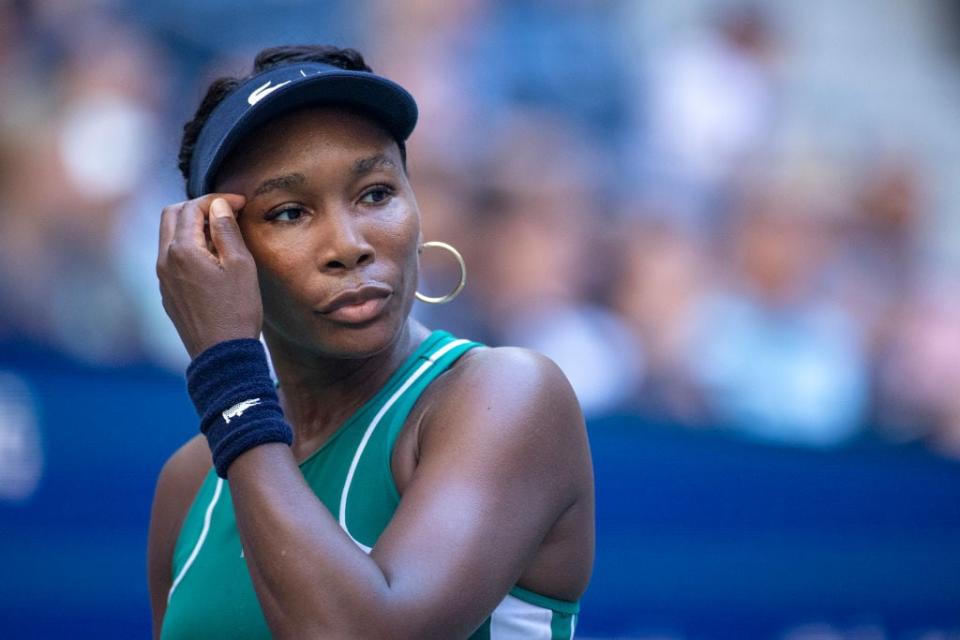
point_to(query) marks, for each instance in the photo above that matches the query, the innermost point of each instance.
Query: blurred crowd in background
(723, 215)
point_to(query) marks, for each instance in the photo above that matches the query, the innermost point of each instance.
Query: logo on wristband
(237, 410)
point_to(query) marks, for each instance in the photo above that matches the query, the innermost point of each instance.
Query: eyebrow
(280, 182)
(366, 165)
(360, 167)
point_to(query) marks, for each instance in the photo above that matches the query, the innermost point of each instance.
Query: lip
(358, 305)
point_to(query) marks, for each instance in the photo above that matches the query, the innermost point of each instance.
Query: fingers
(224, 230)
(189, 230)
(168, 224)
(235, 200)
(190, 218)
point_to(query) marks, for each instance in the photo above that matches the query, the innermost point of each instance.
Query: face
(333, 226)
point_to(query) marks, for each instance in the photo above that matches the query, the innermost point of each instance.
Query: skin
(492, 464)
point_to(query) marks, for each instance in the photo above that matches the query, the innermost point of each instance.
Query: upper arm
(503, 454)
(177, 486)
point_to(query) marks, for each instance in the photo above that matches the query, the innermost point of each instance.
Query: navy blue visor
(278, 91)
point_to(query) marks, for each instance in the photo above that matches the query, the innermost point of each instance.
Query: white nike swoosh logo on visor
(263, 91)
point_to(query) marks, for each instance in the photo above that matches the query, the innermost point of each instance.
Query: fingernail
(220, 209)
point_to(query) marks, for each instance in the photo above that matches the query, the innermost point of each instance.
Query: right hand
(210, 295)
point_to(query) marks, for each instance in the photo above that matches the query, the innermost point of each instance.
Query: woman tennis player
(394, 482)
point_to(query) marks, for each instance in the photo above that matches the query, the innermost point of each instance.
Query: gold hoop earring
(463, 274)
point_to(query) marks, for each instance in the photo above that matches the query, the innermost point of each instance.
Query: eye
(285, 214)
(377, 195)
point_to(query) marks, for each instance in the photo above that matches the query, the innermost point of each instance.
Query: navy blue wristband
(231, 388)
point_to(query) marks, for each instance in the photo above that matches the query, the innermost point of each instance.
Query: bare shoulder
(514, 404)
(511, 380)
(516, 365)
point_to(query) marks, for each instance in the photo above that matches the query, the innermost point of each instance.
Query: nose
(343, 245)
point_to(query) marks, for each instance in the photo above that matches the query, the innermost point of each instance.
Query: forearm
(308, 574)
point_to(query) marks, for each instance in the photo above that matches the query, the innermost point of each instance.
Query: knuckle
(170, 209)
(178, 254)
(234, 261)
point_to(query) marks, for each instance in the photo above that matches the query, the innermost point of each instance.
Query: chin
(359, 340)
(331, 339)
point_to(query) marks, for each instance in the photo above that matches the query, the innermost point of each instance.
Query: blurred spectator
(919, 371)
(709, 104)
(76, 158)
(776, 359)
(659, 292)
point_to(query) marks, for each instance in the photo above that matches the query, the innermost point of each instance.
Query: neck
(319, 393)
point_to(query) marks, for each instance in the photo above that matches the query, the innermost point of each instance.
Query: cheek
(397, 233)
(278, 290)
(400, 220)
(279, 261)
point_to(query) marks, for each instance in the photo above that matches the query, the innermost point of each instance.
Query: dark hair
(348, 59)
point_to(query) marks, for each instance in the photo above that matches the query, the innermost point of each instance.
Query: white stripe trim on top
(203, 536)
(431, 360)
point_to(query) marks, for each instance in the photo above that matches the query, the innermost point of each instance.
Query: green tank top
(212, 596)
